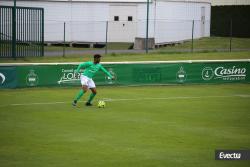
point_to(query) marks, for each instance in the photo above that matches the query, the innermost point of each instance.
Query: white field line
(130, 99)
(131, 62)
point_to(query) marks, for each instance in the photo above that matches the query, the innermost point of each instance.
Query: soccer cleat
(88, 104)
(74, 103)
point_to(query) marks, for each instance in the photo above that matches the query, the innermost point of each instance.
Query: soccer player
(90, 69)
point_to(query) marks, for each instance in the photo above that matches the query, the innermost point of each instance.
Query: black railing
(28, 30)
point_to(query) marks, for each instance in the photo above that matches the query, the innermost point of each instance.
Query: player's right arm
(106, 72)
(83, 65)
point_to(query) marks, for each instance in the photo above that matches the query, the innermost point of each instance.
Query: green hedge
(221, 17)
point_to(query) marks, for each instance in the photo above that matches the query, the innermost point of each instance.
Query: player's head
(97, 58)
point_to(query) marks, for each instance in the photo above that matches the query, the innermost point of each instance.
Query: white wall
(172, 21)
(82, 26)
(78, 16)
(122, 30)
(86, 22)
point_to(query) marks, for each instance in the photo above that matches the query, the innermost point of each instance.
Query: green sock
(79, 95)
(91, 97)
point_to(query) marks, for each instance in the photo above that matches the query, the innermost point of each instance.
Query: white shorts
(87, 82)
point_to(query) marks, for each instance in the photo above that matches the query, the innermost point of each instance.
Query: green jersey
(91, 69)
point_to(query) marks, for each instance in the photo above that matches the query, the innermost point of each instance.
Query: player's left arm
(106, 72)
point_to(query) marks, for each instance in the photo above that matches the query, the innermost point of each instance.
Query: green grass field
(163, 126)
(212, 43)
(135, 57)
(206, 43)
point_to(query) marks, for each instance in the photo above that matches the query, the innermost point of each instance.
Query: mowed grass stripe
(136, 99)
(139, 133)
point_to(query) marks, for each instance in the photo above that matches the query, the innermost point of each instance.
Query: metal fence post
(106, 41)
(192, 47)
(42, 32)
(14, 30)
(231, 34)
(146, 41)
(64, 39)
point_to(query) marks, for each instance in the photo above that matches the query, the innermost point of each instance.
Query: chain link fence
(88, 37)
(76, 38)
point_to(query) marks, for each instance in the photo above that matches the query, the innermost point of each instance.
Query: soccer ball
(101, 104)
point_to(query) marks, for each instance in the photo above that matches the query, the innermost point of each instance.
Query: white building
(86, 20)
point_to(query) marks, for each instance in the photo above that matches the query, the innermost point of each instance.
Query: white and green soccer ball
(101, 104)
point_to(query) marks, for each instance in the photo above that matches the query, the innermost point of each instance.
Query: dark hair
(97, 56)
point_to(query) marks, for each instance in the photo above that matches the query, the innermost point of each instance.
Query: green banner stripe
(132, 74)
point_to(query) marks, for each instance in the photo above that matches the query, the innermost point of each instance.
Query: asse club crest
(108, 79)
(181, 75)
(32, 78)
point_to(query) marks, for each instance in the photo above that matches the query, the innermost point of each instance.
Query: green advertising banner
(8, 77)
(134, 73)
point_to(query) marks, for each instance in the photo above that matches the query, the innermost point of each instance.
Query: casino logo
(224, 73)
(231, 73)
